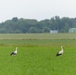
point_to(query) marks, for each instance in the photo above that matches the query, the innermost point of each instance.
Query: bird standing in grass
(60, 52)
(14, 52)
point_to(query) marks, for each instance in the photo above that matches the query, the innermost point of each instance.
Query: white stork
(14, 52)
(60, 52)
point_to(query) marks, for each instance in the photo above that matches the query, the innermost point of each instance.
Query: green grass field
(37, 54)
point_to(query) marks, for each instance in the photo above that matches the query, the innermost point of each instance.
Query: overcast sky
(37, 9)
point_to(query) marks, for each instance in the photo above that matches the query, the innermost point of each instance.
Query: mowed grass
(38, 56)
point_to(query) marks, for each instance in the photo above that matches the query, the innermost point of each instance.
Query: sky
(37, 9)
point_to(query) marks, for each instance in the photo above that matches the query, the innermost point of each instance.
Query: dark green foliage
(21, 25)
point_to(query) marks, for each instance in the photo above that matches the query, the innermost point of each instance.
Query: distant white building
(72, 30)
(53, 31)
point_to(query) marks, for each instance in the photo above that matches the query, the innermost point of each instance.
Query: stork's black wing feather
(58, 54)
(13, 53)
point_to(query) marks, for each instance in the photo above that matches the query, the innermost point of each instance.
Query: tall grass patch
(37, 56)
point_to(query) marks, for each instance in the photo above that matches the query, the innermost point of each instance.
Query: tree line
(22, 25)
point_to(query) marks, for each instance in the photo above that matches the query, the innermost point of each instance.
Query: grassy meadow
(37, 54)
